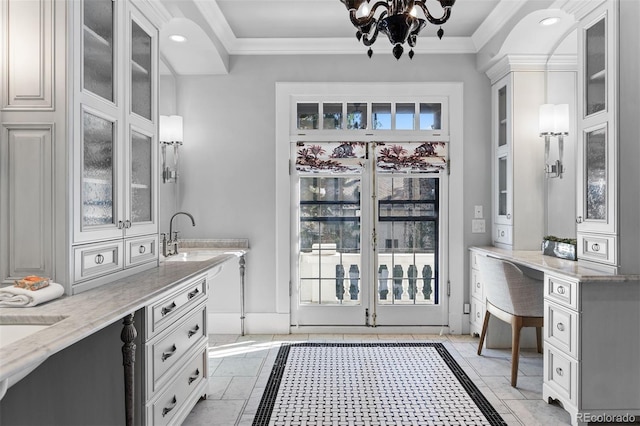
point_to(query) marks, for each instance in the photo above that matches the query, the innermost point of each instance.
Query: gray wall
(228, 161)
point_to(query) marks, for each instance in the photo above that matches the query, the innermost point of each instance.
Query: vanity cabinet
(517, 155)
(79, 123)
(175, 365)
(597, 192)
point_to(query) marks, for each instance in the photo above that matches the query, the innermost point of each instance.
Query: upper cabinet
(517, 156)
(597, 191)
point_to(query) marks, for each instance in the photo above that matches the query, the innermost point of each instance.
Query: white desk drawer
(94, 260)
(171, 402)
(503, 234)
(477, 315)
(140, 250)
(561, 291)
(561, 373)
(165, 312)
(561, 328)
(598, 248)
(171, 347)
(477, 285)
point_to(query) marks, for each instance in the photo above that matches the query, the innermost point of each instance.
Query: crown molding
(511, 63)
(502, 13)
(563, 63)
(159, 14)
(578, 8)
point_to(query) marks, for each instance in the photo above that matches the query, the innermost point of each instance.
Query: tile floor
(239, 367)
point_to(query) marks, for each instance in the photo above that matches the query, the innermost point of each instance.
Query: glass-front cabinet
(115, 150)
(502, 152)
(597, 145)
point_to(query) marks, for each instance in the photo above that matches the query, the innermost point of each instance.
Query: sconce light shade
(171, 128)
(561, 119)
(546, 124)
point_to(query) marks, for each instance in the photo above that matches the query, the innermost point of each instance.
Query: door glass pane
(381, 116)
(97, 54)
(502, 186)
(356, 116)
(430, 116)
(407, 238)
(502, 116)
(140, 71)
(307, 116)
(596, 173)
(332, 116)
(405, 116)
(329, 262)
(97, 171)
(595, 79)
(140, 177)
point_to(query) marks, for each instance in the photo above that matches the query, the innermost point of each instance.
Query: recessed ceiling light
(178, 38)
(549, 21)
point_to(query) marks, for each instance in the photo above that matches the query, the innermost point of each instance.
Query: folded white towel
(15, 297)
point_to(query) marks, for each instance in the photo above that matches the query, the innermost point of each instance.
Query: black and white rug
(371, 384)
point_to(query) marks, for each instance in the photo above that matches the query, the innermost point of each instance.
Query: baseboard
(254, 323)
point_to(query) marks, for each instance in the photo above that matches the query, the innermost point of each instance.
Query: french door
(369, 233)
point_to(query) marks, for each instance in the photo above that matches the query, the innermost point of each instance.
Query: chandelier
(398, 19)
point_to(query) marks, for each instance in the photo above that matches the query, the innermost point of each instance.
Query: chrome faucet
(170, 245)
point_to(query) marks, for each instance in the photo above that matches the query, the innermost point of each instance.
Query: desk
(591, 333)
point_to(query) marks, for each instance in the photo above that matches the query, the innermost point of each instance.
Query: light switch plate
(478, 226)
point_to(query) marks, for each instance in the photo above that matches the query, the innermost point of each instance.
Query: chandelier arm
(435, 21)
(359, 22)
(369, 41)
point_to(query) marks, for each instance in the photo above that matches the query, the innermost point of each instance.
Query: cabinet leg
(128, 336)
(242, 269)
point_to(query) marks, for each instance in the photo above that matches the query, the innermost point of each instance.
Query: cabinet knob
(560, 326)
(502, 233)
(127, 224)
(120, 224)
(142, 249)
(478, 285)
(508, 215)
(99, 259)
(595, 247)
(477, 314)
(560, 290)
(579, 219)
(559, 371)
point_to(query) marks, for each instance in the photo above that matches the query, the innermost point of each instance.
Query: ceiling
(218, 29)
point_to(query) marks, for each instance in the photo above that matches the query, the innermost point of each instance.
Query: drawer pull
(166, 410)
(560, 290)
(193, 331)
(478, 285)
(142, 249)
(193, 294)
(502, 233)
(168, 354)
(560, 326)
(559, 371)
(477, 314)
(595, 247)
(99, 259)
(165, 310)
(195, 376)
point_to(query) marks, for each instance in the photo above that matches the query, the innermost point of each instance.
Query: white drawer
(94, 260)
(172, 405)
(161, 314)
(561, 328)
(473, 259)
(597, 247)
(477, 313)
(502, 234)
(561, 374)
(170, 347)
(477, 288)
(561, 291)
(140, 250)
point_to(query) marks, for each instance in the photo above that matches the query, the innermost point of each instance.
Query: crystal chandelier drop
(398, 19)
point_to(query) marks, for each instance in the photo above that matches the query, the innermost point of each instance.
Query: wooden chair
(514, 298)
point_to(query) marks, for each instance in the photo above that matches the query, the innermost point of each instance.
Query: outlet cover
(477, 212)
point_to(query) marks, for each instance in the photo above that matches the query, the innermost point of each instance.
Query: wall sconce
(554, 121)
(170, 134)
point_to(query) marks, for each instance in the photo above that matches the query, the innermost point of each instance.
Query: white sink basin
(194, 256)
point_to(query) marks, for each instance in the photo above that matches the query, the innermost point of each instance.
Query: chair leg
(485, 325)
(516, 326)
(539, 339)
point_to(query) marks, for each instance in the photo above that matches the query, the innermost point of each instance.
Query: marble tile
(538, 413)
(215, 413)
(239, 388)
(487, 366)
(217, 387)
(238, 367)
(501, 387)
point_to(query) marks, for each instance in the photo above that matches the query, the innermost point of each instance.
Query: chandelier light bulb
(414, 12)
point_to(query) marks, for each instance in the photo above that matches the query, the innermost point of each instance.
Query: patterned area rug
(371, 384)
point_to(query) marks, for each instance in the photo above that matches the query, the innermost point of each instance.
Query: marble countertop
(574, 269)
(86, 313)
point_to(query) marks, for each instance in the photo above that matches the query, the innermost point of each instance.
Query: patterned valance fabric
(390, 157)
(420, 157)
(330, 157)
